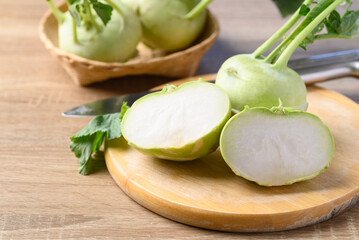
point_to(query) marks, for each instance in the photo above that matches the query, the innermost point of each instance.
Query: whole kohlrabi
(170, 25)
(107, 30)
(258, 81)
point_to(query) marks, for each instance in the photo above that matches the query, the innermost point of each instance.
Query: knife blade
(312, 69)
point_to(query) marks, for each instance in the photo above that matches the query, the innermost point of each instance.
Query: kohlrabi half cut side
(170, 25)
(250, 81)
(178, 123)
(277, 146)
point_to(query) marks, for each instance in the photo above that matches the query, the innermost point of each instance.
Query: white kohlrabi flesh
(90, 38)
(277, 146)
(256, 80)
(178, 123)
(170, 25)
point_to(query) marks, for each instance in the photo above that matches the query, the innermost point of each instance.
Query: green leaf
(89, 140)
(350, 23)
(70, 2)
(288, 7)
(333, 22)
(97, 163)
(115, 128)
(336, 26)
(124, 109)
(83, 147)
(104, 11)
(304, 10)
(312, 36)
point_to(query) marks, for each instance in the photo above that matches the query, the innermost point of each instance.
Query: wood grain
(41, 194)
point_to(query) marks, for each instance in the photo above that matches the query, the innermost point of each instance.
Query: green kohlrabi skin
(164, 25)
(252, 82)
(133, 4)
(116, 42)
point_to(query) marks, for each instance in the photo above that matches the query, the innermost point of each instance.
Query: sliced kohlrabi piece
(178, 123)
(277, 146)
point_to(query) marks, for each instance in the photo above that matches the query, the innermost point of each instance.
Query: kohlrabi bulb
(133, 4)
(170, 25)
(250, 81)
(115, 42)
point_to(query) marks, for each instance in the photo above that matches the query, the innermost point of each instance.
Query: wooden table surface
(41, 194)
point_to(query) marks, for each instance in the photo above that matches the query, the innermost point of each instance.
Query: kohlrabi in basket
(257, 80)
(277, 146)
(178, 123)
(102, 30)
(170, 25)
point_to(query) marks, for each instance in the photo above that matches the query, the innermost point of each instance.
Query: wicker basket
(151, 62)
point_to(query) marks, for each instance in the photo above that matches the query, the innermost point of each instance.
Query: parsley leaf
(89, 140)
(288, 7)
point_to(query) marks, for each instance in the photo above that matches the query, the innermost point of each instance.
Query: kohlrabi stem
(114, 6)
(118, 10)
(57, 13)
(89, 12)
(279, 34)
(287, 53)
(74, 30)
(197, 9)
(320, 7)
(74, 25)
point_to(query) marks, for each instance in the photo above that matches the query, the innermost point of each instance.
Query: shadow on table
(129, 84)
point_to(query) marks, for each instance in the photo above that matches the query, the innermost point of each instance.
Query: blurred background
(244, 25)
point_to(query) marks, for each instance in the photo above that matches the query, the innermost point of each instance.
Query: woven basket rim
(50, 46)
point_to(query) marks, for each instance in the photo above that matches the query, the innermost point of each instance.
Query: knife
(312, 69)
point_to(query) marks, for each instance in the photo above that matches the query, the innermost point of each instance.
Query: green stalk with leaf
(259, 81)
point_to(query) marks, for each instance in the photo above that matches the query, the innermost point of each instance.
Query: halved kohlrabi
(178, 123)
(277, 146)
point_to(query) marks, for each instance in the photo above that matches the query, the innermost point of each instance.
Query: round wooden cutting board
(206, 193)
